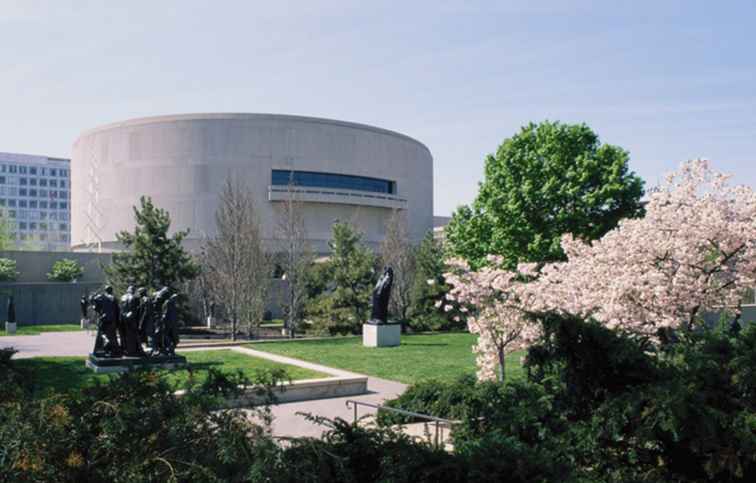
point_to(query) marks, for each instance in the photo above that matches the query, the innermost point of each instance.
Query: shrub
(434, 398)
(65, 270)
(8, 271)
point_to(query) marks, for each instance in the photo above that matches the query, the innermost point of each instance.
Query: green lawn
(62, 373)
(420, 357)
(38, 329)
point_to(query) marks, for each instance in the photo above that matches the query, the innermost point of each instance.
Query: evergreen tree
(150, 258)
(429, 287)
(351, 270)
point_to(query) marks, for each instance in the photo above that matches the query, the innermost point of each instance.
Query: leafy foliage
(151, 258)
(8, 272)
(345, 304)
(65, 270)
(547, 180)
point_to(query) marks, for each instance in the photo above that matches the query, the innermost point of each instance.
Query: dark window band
(282, 177)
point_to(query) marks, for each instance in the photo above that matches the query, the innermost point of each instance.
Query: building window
(32, 225)
(43, 204)
(12, 203)
(32, 203)
(54, 183)
(53, 205)
(63, 227)
(13, 168)
(43, 193)
(32, 192)
(282, 177)
(22, 192)
(43, 182)
(32, 181)
(22, 204)
(32, 170)
(63, 205)
(22, 181)
(22, 169)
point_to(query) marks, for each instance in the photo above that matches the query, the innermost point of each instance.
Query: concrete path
(287, 422)
(78, 343)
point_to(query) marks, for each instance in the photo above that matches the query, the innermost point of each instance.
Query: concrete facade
(183, 161)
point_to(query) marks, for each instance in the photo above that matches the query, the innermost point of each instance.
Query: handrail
(438, 421)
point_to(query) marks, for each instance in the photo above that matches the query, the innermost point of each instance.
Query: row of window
(16, 180)
(35, 204)
(34, 170)
(33, 192)
(43, 236)
(33, 225)
(37, 215)
(281, 177)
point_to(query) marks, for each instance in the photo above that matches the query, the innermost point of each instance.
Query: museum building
(336, 170)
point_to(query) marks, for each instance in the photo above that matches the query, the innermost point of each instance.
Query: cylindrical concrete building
(340, 171)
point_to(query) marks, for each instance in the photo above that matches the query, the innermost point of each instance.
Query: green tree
(344, 307)
(6, 242)
(547, 180)
(8, 272)
(151, 258)
(429, 288)
(65, 270)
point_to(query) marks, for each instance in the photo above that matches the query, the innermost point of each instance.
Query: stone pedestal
(383, 335)
(122, 364)
(10, 328)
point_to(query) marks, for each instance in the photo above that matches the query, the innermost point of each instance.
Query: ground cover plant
(63, 373)
(420, 357)
(38, 329)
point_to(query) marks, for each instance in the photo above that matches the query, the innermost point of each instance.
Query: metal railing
(440, 423)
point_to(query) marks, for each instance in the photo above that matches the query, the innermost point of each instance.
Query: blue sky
(666, 80)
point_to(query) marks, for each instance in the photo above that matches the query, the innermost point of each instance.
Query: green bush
(65, 270)
(8, 271)
(434, 398)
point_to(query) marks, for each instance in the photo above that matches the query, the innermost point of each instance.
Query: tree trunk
(502, 364)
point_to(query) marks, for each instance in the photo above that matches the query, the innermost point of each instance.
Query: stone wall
(45, 303)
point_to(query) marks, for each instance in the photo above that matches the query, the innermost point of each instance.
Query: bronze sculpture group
(139, 319)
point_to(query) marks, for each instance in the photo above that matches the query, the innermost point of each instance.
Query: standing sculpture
(170, 325)
(381, 297)
(106, 308)
(11, 319)
(129, 324)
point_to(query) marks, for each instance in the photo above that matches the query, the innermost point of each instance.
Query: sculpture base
(382, 335)
(10, 328)
(104, 365)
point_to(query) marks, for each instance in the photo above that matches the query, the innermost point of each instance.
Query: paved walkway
(77, 343)
(287, 422)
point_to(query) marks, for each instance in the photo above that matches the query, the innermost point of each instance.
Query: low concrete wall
(45, 303)
(308, 390)
(33, 266)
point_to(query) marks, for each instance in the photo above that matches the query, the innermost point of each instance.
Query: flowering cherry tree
(693, 252)
(490, 297)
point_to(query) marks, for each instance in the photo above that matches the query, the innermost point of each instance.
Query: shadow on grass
(425, 344)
